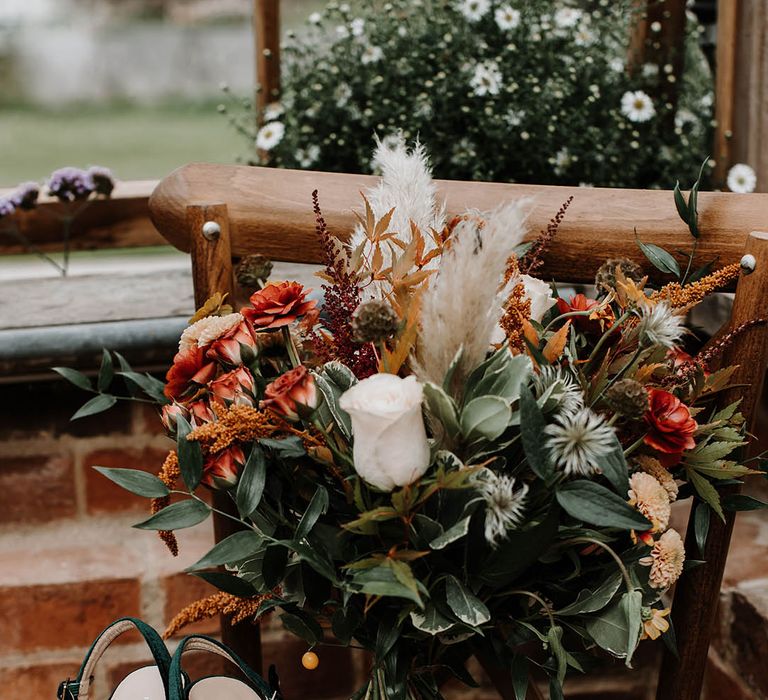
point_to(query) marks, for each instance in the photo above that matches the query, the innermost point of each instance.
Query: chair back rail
(270, 211)
(260, 210)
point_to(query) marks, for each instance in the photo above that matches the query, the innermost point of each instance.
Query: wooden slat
(696, 600)
(122, 221)
(270, 212)
(266, 34)
(212, 272)
(725, 84)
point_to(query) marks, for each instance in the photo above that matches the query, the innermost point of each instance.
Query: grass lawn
(137, 142)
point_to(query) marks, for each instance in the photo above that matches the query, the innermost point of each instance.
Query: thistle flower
(504, 505)
(653, 467)
(660, 326)
(374, 321)
(666, 560)
(557, 387)
(628, 398)
(605, 279)
(651, 499)
(253, 270)
(577, 441)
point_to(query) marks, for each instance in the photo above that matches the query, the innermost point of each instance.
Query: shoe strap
(211, 646)
(78, 689)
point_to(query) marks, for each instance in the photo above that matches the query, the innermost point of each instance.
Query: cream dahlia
(666, 560)
(648, 496)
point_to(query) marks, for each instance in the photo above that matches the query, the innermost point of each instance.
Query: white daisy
(577, 441)
(474, 10)
(567, 17)
(616, 65)
(562, 161)
(273, 111)
(315, 18)
(358, 26)
(584, 36)
(486, 79)
(372, 54)
(683, 117)
(504, 505)
(308, 156)
(650, 70)
(514, 117)
(556, 389)
(270, 135)
(507, 18)
(342, 93)
(342, 31)
(742, 179)
(660, 326)
(637, 106)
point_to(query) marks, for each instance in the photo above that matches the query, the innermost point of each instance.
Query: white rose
(540, 294)
(390, 446)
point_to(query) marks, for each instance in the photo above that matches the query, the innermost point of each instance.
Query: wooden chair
(269, 212)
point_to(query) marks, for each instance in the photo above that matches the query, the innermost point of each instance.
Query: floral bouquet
(446, 459)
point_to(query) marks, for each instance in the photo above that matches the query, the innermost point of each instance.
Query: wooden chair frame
(269, 212)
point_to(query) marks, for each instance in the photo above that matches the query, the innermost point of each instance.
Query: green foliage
(136, 481)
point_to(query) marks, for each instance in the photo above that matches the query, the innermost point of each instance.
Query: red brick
(180, 591)
(37, 488)
(35, 682)
(102, 495)
(62, 616)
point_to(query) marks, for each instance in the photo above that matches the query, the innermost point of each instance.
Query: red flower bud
(222, 470)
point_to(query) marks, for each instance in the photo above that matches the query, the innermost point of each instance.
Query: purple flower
(7, 207)
(103, 180)
(70, 184)
(25, 196)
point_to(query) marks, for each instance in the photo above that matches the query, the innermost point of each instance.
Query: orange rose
(290, 392)
(278, 305)
(234, 387)
(228, 348)
(189, 366)
(670, 425)
(222, 470)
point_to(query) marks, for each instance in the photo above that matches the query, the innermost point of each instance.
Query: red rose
(221, 471)
(228, 348)
(170, 413)
(291, 391)
(596, 322)
(189, 366)
(234, 387)
(278, 305)
(670, 424)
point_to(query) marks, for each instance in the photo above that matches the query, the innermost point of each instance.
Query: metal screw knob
(748, 264)
(211, 230)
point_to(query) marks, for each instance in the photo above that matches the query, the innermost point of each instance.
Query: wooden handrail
(122, 221)
(270, 212)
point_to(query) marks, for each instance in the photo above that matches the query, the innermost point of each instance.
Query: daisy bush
(535, 91)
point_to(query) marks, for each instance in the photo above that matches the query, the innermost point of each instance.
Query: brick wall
(70, 564)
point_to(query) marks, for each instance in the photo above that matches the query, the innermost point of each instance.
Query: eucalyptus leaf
(302, 626)
(317, 506)
(147, 383)
(456, 532)
(431, 620)
(464, 604)
(555, 639)
(617, 628)
(520, 675)
(177, 516)
(594, 504)
(741, 502)
(680, 204)
(74, 377)
(229, 583)
(287, 448)
(442, 407)
(614, 468)
(532, 424)
(589, 601)
(136, 481)
(190, 454)
(98, 404)
(250, 487)
(701, 516)
(486, 416)
(237, 547)
(660, 258)
(106, 371)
